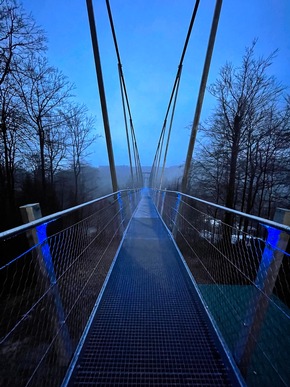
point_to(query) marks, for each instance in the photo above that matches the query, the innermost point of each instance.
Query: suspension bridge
(145, 286)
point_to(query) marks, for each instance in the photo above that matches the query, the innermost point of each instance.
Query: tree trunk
(42, 157)
(230, 197)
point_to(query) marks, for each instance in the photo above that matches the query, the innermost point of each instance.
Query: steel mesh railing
(242, 271)
(49, 288)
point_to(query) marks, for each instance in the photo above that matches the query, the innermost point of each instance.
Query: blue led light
(42, 238)
(268, 255)
(47, 259)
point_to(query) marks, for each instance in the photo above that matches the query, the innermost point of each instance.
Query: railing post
(268, 271)
(158, 193)
(131, 201)
(162, 203)
(121, 209)
(175, 216)
(45, 268)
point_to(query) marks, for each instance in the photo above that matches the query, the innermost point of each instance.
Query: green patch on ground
(228, 304)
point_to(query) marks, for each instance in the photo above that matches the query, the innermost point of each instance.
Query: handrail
(45, 219)
(264, 221)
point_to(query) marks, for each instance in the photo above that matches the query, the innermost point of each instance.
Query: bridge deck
(150, 328)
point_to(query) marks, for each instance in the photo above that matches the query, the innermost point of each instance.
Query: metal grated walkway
(150, 328)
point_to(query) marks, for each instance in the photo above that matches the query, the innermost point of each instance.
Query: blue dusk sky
(151, 35)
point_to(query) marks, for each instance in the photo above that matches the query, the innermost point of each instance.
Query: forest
(45, 134)
(242, 156)
(241, 159)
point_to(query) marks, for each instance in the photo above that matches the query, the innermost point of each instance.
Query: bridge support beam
(201, 94)
(37, 239)
(102, 94)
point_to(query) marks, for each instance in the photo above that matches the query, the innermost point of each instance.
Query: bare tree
(80, 137)
(19, 37)
(246, 95)
(8, 137)
(208, 171)
(56, 148)
(41, 133)
(43, 91)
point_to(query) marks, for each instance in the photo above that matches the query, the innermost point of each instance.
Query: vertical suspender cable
(133, 136)
(126, 126)
(201, 94)
(138, 163)
(176, 82)
(136, 154)
(153, 169)
(124, 93)
(157, 177)
(102, 94)
(156, 163)
(169, 130)
(157, 158)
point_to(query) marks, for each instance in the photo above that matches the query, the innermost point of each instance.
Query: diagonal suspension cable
(156, 163)
(126, 108)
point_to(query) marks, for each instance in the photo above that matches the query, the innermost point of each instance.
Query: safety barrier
(51, 272)
(241, 265)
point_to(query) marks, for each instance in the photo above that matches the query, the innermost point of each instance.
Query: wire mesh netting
(150, 328)
(51, 276)
(241, 265)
